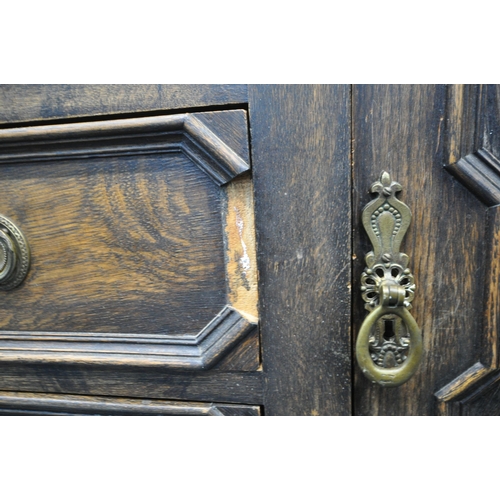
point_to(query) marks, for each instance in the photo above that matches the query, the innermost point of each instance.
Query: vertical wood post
(300, 138)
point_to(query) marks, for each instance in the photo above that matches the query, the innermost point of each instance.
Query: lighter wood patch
(241, 255)
(462, 382)
(455, 114)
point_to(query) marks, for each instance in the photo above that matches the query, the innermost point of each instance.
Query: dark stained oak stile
(300, 138)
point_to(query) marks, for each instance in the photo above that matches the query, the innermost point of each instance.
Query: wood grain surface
(484, 400)
(119, 222)
(406, 131)
(118, 245)
(127, 236)
(156, 383)
(300, 148)
(22, 103)
(474, 163)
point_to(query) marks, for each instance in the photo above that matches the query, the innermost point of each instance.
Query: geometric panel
(130, 225)
(480, 173)
(474, 392)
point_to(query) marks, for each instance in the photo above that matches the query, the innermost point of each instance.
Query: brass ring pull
(389, 345)
(14, 255)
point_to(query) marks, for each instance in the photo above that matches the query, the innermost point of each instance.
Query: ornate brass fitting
(389, 344)
(14, 255)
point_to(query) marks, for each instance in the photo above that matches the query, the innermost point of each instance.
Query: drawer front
(142, 243)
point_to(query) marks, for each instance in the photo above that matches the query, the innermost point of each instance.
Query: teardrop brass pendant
(389, 343)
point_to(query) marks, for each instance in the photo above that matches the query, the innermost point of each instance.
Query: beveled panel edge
(449, 397)
(150, 135)
(69, 404)
(461, 383)
(212, 343)
(240, 246)
(479, 172)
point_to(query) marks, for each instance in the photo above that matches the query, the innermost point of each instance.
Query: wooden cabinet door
(441, 143)
(311, 154)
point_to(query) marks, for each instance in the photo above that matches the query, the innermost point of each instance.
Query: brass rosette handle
(14, 255)
(389, 343)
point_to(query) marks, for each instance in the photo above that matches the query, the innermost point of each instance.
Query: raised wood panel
(135, 258)
(476, 166)
(22, 403)
(23, 103)
(119, 245)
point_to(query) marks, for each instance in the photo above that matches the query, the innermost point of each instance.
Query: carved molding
(23, 403)
(479, 172)
(473, 381)
(175, 133)
(477, 378)
(185, 133)
(200, 351)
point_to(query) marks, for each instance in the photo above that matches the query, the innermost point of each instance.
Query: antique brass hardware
(389, 344)
(14, 255)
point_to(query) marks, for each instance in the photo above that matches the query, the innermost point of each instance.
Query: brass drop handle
(14, 255)
(389, 343)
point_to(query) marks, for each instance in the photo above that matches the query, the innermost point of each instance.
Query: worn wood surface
(25, 403)
(101, 188)
(122, 245)
(479, 172)
(406, 130)
(241, 258)
(484, 400)
(112, 138)
(124, 223)
(22, 103)
(155, 383)
(474, 163)
(300, 148)
(300, 151)
(446, 396)
(490, 339)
